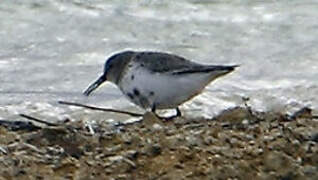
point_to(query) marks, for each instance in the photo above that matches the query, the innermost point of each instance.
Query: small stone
(268, 138)
(249, 137)
(155, 150)
(192, 140)
(179, 166)
(132, 154)
(245, 122)
(115, 158)
(258, 151)
(233, 141)
(132, 164)
(251, 142)
(156, 127)
(3, 150)
(296, 142)
(208, 140)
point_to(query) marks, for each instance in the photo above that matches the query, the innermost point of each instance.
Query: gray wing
(169, 63)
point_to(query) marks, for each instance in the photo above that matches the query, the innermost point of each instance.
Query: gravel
(236, 144)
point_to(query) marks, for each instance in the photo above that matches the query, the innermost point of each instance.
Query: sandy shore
(237, 144)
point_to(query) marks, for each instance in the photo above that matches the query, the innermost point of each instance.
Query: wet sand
(239, 143)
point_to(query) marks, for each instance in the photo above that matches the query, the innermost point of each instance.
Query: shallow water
(51, 50)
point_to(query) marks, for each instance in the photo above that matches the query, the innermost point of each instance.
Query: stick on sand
(100, 109)
(37, 120)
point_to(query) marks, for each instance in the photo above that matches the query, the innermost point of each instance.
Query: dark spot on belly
(151, 93)
(142, 65)
(132, 77)
(138, 56)
(131, 96)
(136, 92)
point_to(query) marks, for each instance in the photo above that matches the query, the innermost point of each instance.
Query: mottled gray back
(163, 62)
(169, 63)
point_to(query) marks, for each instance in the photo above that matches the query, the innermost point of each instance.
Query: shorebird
(157, 80)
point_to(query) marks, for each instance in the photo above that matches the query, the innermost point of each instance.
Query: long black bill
(95, 85)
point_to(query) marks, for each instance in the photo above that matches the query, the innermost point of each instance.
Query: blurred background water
(52, 50)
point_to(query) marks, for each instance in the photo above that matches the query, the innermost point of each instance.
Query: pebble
(156, 127)
(155, 150)
(115, 158)
(268, 138)
(245, 122)
(132, 154)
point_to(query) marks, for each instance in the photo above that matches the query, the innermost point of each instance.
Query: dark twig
(249, 109)
(100, 109)
(37, 120)
(253, 115)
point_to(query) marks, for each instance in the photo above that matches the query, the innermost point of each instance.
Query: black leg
(178, 114)
(153, 108)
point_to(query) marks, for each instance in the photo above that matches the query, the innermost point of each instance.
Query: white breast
(146, 88)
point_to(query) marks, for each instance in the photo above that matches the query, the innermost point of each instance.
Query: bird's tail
(218, 71)
(226, 69)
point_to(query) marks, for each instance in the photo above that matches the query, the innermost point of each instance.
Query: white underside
(163, 90)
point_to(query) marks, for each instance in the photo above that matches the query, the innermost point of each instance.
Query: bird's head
(112, 70)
